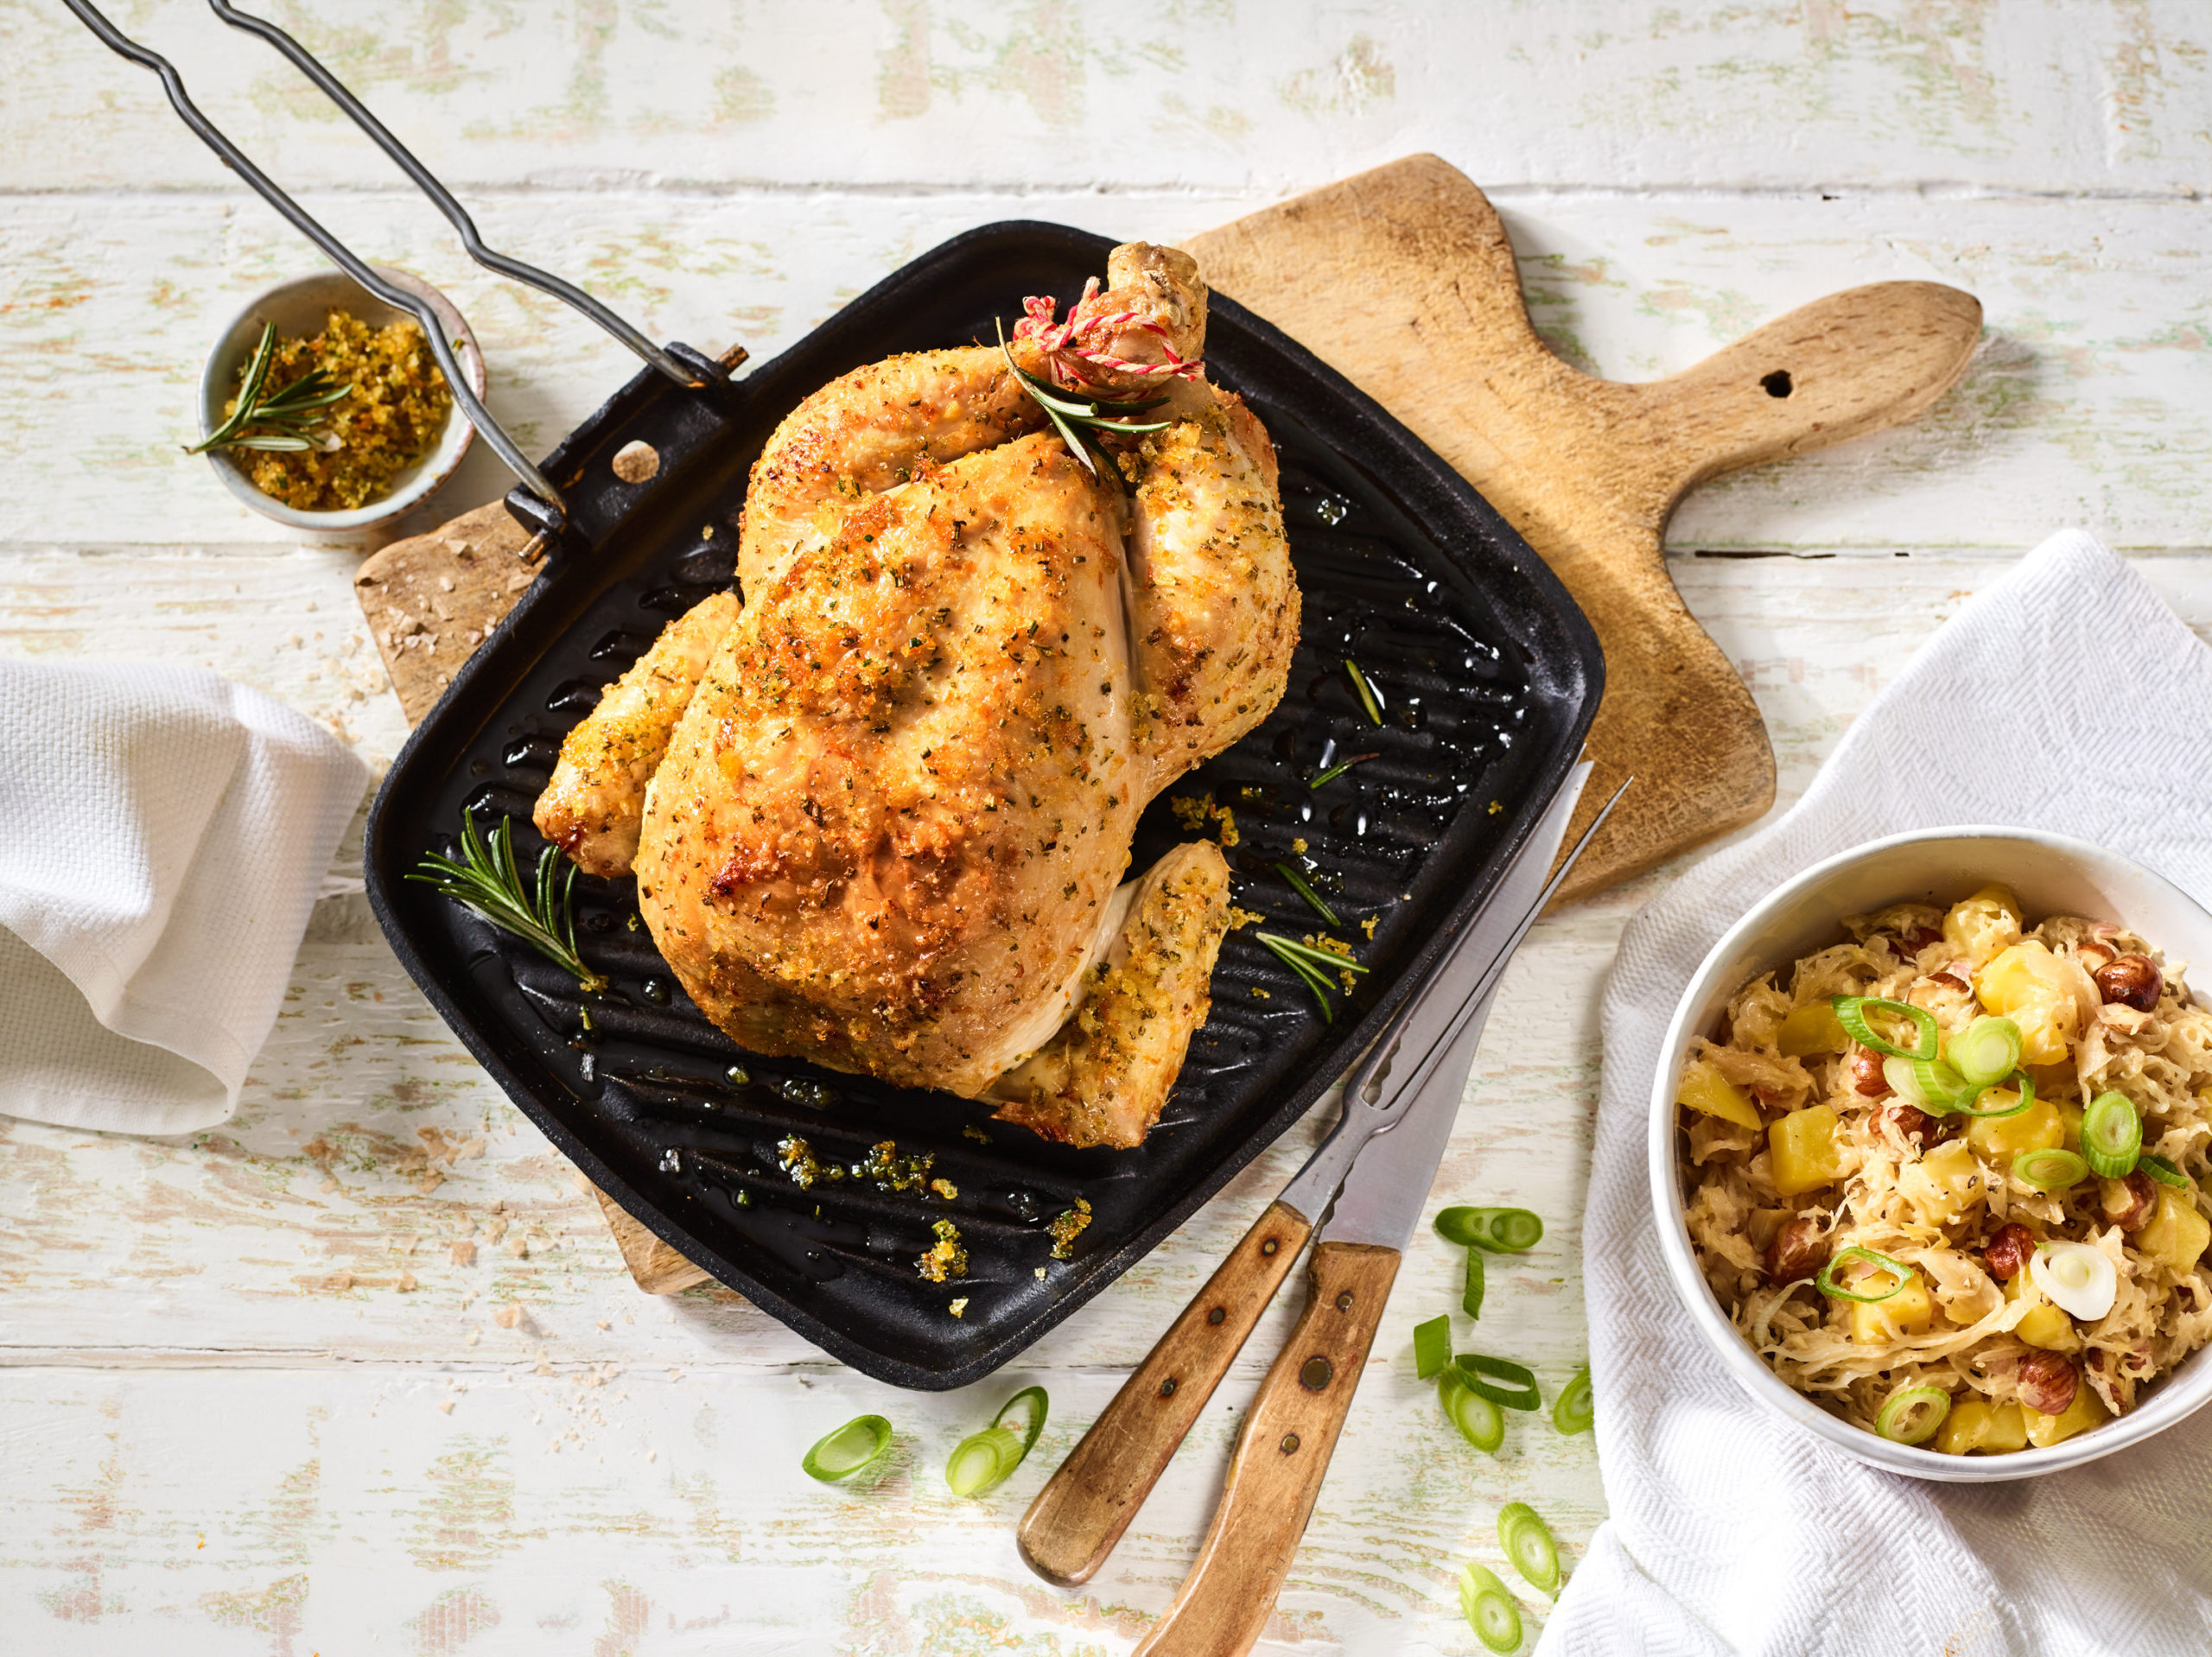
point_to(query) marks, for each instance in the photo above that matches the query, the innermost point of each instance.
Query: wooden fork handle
(1084, 1508)
(1225, 1601)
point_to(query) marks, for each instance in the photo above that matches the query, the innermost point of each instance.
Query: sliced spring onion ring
(2049, 1170)
(1987, 1052)
(1912, 1414)
(1851, 1013)
(1299, 884)
(1527, 1542)
(1431, 1347)
(843, 1452)
(1576, 1410)
(982, 1460)
(2020, 1081)
(2111, 1136)
(1900, 1274)
(1485, 1375)
(2078, 1278)
(1490, 1610)
(1480, 1422)
(1503, 1231)
(2164, 1172)
(1470, 1297)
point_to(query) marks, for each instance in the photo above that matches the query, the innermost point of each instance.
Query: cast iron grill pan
(1490, 676)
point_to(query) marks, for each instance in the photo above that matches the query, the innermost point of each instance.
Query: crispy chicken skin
(594, 804)
(889, 828)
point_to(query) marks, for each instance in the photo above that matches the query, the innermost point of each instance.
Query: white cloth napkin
(2067, 697)
(166, 837)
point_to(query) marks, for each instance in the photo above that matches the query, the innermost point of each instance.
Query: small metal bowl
(298, 307)
(2053, 875)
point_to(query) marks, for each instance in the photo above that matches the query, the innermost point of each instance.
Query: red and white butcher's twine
(1074, 339)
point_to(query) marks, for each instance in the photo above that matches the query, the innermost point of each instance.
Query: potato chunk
(1976, 1425)
(1704, 1089)
(2048, 1326)
(1943, 1184)
(2177, 1234)
(1806, 1153)
(2085, 1411)
(1909, 1312)
(1812, 1028)
(2028, 984)
(2039, 1127)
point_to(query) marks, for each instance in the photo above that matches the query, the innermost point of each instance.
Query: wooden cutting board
(1403, 279)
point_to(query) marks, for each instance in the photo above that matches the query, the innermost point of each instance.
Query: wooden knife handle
(1276, 1472)
(1084, 1508)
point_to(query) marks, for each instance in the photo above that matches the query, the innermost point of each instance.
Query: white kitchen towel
(2067, 697)
(166, 833)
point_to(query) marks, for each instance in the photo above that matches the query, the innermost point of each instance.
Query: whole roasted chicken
(880, 813)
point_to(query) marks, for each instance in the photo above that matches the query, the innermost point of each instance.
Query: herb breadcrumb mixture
(390, 419)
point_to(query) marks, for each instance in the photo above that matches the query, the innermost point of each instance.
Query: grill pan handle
(680, 363)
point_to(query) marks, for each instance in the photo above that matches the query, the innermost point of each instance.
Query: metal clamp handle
(681, 362)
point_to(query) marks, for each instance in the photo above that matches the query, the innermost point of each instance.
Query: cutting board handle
(1849, 364)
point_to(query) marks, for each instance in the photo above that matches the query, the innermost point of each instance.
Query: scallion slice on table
(2165, 1172)
(982, 1461)
(2049, 1169)
(2111, 1135)
(2079, 1276)
(841, 1454)
(1576, 1411)
(1851, 1012)
(1507, 1385)
(1471, 1297)
(1986, 1052)
(489, 883)
(1490, 1610)
(1480, 1422)
(1503, 1231)
(1898, 1272)
(1431, 1347)
(1299, 884)
(1527, 1542)
(1912, 1414)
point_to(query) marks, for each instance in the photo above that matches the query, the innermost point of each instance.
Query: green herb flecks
(1304, 888)
(487, 881)
(1322, 777)
(1368, 697)
(1310, 963)
(282, 419)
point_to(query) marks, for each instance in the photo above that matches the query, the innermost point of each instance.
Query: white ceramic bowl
(298, 307)
(2052, 875)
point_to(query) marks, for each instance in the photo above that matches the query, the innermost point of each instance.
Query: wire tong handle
(681, 362)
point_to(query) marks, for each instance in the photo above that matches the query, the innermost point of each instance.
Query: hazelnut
(2007, 1253)
(2130, 980)
(1798, 1251)
(2047, 1382)
(1866, 1073)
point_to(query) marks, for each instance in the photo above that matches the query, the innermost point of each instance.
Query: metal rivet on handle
(1215, 1315)
(1344, 1301)
(1313, 1375)
(1290, 1443)
(1167, 1388)
(1269, 1246)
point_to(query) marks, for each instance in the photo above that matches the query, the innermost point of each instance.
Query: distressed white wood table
(360, 1371)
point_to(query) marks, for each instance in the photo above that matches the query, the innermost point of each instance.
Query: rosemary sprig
(1368, 699)
(290, 410)
(1077, 418)
(1308, 963)
(1299, 885)
(1329, 774)
(487, 882)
